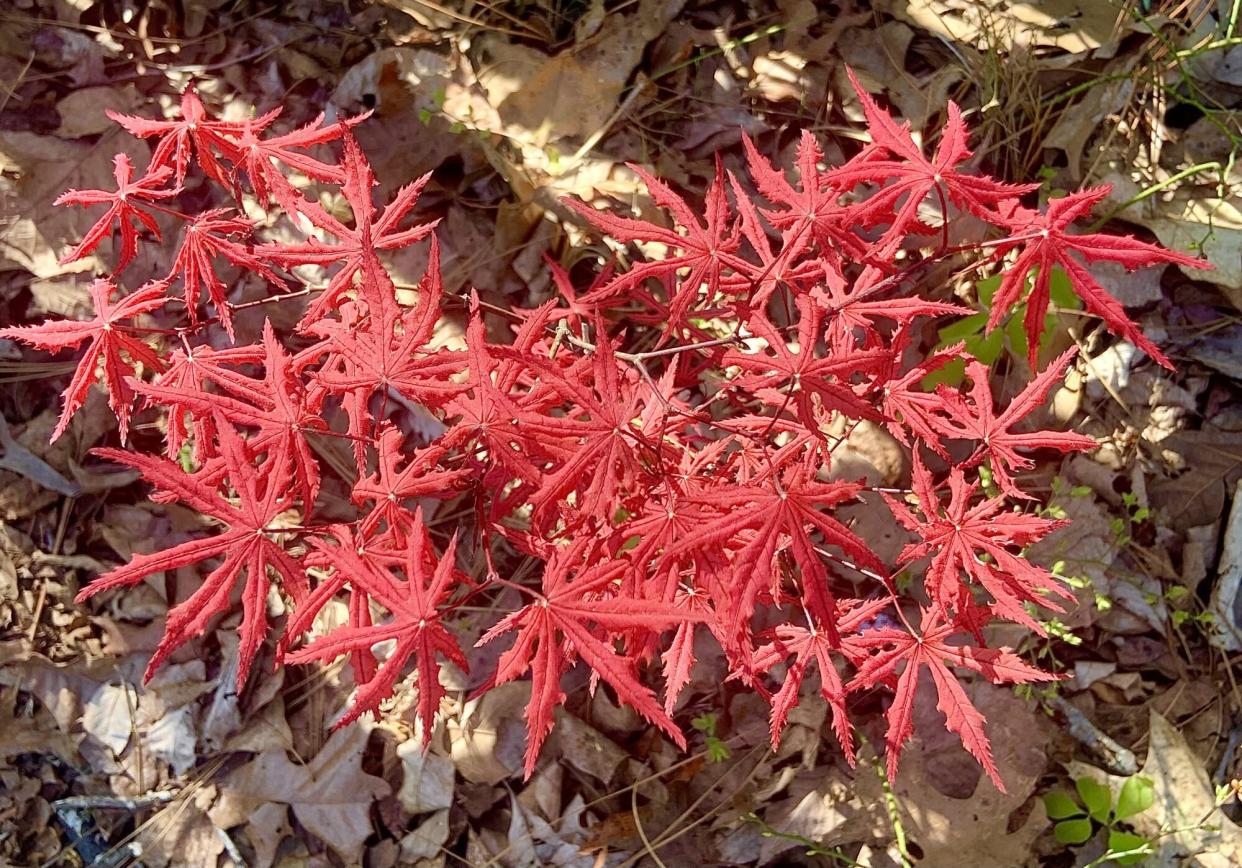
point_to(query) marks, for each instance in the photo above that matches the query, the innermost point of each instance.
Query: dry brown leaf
(182, 834)
(976, 830)
(573, 93)
(428, 781)
(1071, 25)
(488, 741)
(1202, 466)
(331, 796)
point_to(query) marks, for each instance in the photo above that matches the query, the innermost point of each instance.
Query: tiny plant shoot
(656, 451)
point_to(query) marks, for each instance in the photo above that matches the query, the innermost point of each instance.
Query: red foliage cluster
(658, 447)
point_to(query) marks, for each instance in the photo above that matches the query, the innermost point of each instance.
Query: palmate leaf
(247, 547)
(563, 623)
(110, 349)
(958, 535)
(124, 209)
(908, 177)
(897, 658)
(976, 420)
(667, 450)
(1046, 242)
(755, 520)
(708, 251)
(415, 625)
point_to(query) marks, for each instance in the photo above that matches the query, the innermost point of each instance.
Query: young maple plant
(641, 461)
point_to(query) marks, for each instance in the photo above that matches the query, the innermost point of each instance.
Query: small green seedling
(1077, 819)
(717, 750)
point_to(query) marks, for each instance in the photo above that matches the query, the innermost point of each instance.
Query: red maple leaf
(123, 209)
(208, 235)
(813, 645)
(391, 485)
(111, 350)
(930, 648)
(355, 249)
(759, 519)
(909, 177)
(810, 214)
(782, 377)
(596, 441)
(189, 372)
(194, 133)
(557, 628)
(280, 406)
(486, 413)
(245, 546)
(389, 350)
(416, 626)
(708, 250)
(259, 157)
(956, 540)
(978, 420)
(1046, 243)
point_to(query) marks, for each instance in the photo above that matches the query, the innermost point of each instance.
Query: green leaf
(987, 348)
(717, 750)
(1015, 330)
(1096, 797)
(705, 723)
(1061, 290)
(1124, 842)
(964, 328)
(1137, 795)
(987, 288)
(1060, 806)
(1072, 831)
(951, 374)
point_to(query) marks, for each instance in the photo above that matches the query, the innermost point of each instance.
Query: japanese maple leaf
(390, 350)
(280, 406)
(909, 177)
(784, 265)
(708, 249)
(783, 377)
(760, 518)
(416, 626)
(911, 413)
(211, 234)
(194, 132)
(111, 350)
(486, 413)
(189, 372)
(852, 307)
(391, 485)
(563, 622)
(245, 546)
(810, 214)
(930, 648)
(257, 157)
(123, 209)
(811, 645)
(678, 657)
(977, 420)
(574, 310)
(957, 534)
(600, 455)
(1046, 243)
(354, 566)
(355, 249)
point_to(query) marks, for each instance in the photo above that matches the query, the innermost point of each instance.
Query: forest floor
(511, 106)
